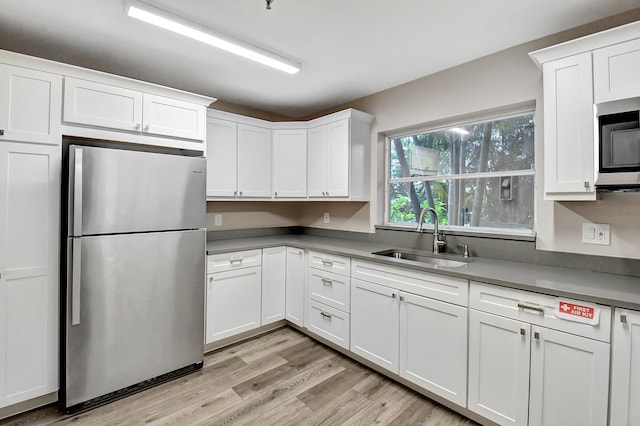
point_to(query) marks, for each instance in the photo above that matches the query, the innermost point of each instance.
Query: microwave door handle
(77, 192)
(76, 273)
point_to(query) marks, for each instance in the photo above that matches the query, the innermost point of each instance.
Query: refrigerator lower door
(138, 310)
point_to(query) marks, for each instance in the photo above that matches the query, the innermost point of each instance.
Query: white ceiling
(347, 48)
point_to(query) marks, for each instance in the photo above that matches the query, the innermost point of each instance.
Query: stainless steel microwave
(619, 150)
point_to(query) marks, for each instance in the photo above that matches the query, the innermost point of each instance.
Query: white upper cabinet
(254, 161)
(30, 105)
(317, 159)
(569, 129)
(615, 72)
(290, 163)
(222, 157)
(95, 104)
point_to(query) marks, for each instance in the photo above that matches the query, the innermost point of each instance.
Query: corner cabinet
(274, 264)
(569, 138)
(324, 158)
(29, 259)
(30, 106)
(295, 286)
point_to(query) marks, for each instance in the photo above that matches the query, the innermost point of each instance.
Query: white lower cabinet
(233, 295)
(625, 368)
(295, 285)
(327, 322)
(422, 339)
(274, 262)
(521, 372)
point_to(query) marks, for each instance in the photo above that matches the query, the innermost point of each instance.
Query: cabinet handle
(623, 319)
(235, 193)
(327, 193)
(327, 263)
(536, 335)
(146, 127)
(327, 281)
(1, 132)
(402, 298)
(324, 194)
(275, 193)
(531, 308)
(393, 295)
(326, 315)
(138, 126)
(237, 260)
(523, 332)
(587, 185)
(240, 193)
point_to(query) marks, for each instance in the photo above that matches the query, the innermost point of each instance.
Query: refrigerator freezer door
(120, 191)
(141, 306)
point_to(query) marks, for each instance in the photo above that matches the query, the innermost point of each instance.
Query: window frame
(443, 125)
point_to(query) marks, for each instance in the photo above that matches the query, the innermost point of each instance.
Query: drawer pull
(237, 260)
(536, 335)
(523, 332)
(623, 319)
(328, 263)
(531, 308)
(393, 295)
(327, 281)
(325, 315)
(402, 298)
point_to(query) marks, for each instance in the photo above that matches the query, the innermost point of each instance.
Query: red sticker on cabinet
(577, 311)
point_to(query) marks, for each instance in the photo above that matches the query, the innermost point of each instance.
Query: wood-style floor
(281, 378)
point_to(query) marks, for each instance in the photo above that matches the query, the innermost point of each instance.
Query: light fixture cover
(163, 19)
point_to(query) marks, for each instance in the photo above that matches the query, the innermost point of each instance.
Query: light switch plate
(217, 220)
(327, 217)
(596, 233)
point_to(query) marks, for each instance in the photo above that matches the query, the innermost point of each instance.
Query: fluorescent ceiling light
(163, 19)
(459, 131)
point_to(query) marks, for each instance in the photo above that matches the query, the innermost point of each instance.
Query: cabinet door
(338, 159)
(221, 158)
(433, 346)
(290, 163)
(317, 157)
(569, 142)
(30, 106)
(569, 379)
(102, 105)
(174, 118)
(29, 258)
(295, 286)
(625, 368)
(375, 323)
(233, 302)
(499, 350)
(254, 161)
(274, 262)
(615, 72)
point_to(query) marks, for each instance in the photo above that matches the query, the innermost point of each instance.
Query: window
(476, 175)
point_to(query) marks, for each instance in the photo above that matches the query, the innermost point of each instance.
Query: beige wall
(502, 79)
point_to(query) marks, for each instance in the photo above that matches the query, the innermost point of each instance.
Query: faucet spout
(437, 242)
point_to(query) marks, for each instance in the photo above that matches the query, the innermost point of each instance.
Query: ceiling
(347, 48)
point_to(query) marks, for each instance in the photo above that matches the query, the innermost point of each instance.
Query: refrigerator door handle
(76, 266)
(77, 192)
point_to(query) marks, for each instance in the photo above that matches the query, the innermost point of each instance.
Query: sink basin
(422, 258)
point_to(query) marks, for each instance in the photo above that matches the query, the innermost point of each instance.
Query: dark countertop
(608, 289)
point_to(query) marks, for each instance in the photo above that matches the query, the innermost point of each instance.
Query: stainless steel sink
(422, 258)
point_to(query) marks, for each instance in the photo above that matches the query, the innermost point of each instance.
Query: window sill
(515, 235)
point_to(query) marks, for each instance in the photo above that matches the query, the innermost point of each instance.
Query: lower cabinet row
(501, 353)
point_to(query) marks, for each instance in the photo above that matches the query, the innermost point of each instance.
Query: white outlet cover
(327, 217)
(217, 220)
(596, 233)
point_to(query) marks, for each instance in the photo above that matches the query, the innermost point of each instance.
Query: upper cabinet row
(326, 158)
(578, 77)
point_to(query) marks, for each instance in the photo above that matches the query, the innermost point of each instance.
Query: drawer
(329, 288)
(330, 262)
(328, 322)
(535, 308)
(233, 260)
(439, 287)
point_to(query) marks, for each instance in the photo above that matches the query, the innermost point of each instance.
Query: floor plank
(281, 378)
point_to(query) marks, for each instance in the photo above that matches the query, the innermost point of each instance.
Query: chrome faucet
(437, 242)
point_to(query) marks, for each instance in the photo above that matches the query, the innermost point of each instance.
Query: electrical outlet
(596, 233)
(327, 217)
(217, 220)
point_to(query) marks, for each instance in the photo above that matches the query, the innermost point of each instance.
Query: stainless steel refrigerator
(135, 271)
